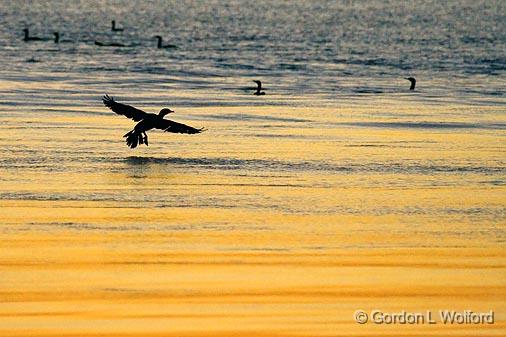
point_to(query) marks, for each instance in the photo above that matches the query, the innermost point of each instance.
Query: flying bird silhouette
(147, 121)
(413, 82)
(259, 88)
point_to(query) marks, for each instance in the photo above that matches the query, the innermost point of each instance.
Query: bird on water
(259, 88)
(413, 82)
(58, 40)
(31, 38)
(147, 121)
(160, 43)
(114, 28)
(109, 44)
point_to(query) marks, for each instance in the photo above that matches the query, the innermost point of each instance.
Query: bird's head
(165, 111)
(411, 79)
(158, 37)
(257, 82)
(25, 30)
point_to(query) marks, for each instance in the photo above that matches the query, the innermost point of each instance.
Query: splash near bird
(413, 82)
(259, 88)
(147, 121)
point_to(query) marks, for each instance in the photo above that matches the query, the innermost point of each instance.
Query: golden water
(257, 227)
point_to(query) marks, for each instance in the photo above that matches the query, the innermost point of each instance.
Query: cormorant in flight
(413, 82)
(259, 88)
(31, 38)
(160, 45)
(114, 28)
(147, 121)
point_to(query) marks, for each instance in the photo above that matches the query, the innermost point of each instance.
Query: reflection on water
(285, 230)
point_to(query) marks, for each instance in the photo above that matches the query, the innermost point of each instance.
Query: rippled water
(338, 113)
(304, 51)
(339, 189)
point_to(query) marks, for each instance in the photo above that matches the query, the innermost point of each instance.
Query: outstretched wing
(175, 127)
(123, 109)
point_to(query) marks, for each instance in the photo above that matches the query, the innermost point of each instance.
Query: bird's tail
(134, 138)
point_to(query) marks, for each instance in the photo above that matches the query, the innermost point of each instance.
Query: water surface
(338, 190)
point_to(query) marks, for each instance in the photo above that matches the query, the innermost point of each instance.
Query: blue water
(306, 52)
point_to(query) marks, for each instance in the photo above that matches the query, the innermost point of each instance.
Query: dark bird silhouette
(413, 82)
(31, 38)
(160, 45)
(110, 44)
(32, 60)
(259, 88)
(147, 121)
(114, 28)
(58, 40)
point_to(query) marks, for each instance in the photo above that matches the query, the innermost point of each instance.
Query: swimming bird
(111, 44)
(147, 121)
(160, 45)
(114, 28)
(58, 40)
(413, 82)
(259, 87)
(31, 38)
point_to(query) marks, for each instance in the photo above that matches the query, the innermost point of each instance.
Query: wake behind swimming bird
(147, 121)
